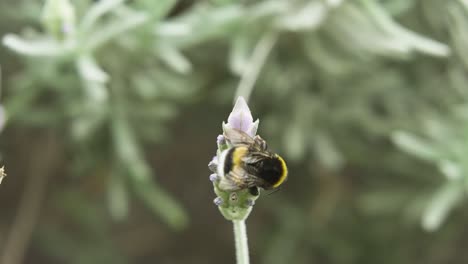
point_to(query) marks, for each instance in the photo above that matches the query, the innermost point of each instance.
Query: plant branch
(240, 236)
(252, 70)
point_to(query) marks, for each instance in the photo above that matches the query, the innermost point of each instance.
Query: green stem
(258, 59)
(240, 236)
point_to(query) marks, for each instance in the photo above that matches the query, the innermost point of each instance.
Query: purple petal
(218, 201)
(220, 140)
(252, 130)
(213, 177)
(240, 117)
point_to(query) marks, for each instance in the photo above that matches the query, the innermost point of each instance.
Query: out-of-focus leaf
(160, 202)
(415, 146)
(104, 34)
(118, 194)
(381, 202)
(87, 123)
(334, 3)
(155, 111)
(45, 47)
(306, 17)
(284, 243)
(450, 169)
(465, 3)
(3, 118)
(94, 107)
(129, 154)
(459, 33)
(396, 7)
(203, 24)
(74, 203)
(90, 70)
(441, 204)
(173, 29)
(58, 17)
(172, 86)
(97, 10)
(327, 153)
(294, 139)
(144, 86)
(328, 61)
(268, 9)
(158, 9)
(240, 52)
(259, 56)
(174, 58)
(411, 39)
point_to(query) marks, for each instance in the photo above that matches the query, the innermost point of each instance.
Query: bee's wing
(237, 137)
(240, 179)
(255, 157)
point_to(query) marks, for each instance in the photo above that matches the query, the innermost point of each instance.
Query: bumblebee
(248, 164)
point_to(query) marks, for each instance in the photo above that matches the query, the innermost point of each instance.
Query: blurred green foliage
(366, 99)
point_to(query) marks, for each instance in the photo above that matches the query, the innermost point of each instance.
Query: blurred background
(110, 110)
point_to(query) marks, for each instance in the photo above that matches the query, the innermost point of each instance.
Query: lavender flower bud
(218, 201)
(241, 118)
(220, 140)
(213, 164)
(234, 204)
(214, 177)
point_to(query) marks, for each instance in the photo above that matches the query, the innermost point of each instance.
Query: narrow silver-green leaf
(44, 47)
(414, 145)
(441, 204)
(98, 9)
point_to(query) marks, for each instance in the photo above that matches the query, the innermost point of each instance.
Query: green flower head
(234, 205)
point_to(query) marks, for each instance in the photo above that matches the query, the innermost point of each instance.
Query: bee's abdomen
(272, 171)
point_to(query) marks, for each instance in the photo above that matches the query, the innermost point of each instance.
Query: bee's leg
(254, 191)
(260, 142)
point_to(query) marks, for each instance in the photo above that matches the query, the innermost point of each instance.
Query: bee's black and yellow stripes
(273, 171)
(234, 158)
(269, 169)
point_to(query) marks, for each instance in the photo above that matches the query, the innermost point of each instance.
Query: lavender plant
(103, 105)
(340, 77)
(235, 206)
